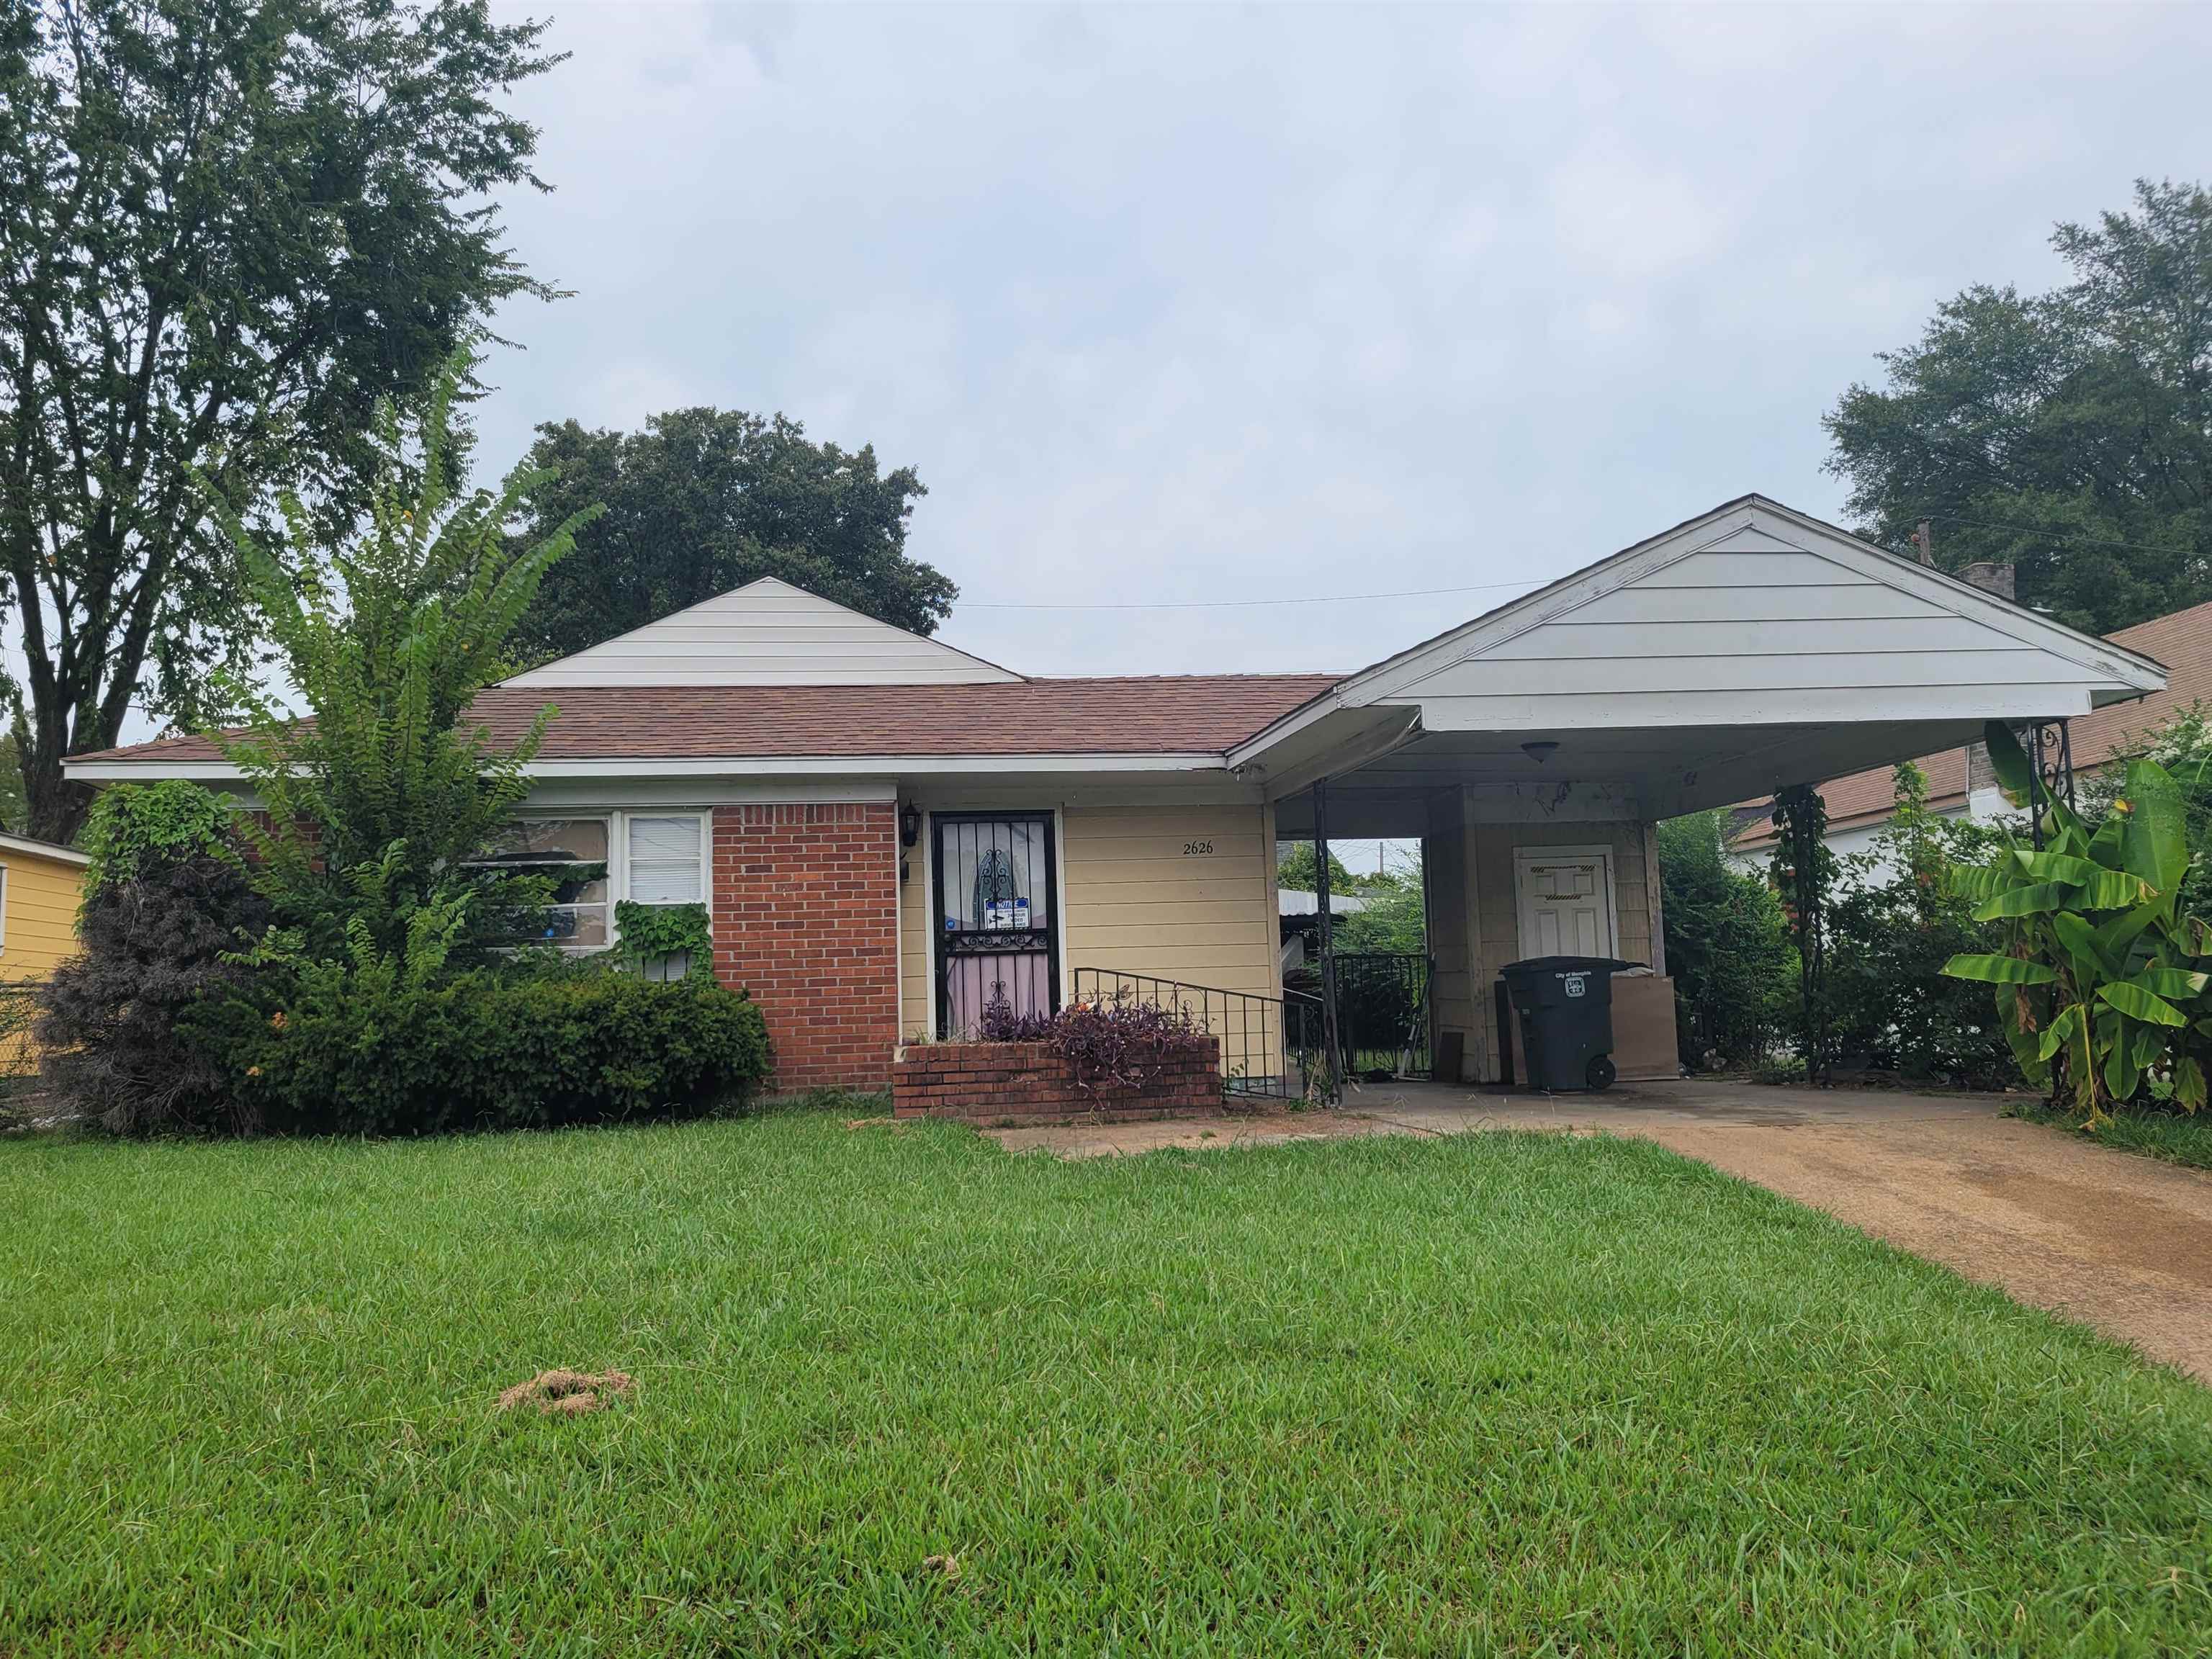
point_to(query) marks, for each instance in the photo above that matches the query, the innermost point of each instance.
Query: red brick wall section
(985, 1082)
(806, 919)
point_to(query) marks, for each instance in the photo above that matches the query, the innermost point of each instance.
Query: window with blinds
(666, 861)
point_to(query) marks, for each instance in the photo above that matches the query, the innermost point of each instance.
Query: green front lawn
(2177, 1138)
(1496, 1393)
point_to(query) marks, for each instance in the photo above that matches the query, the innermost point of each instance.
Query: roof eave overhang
(632, 766)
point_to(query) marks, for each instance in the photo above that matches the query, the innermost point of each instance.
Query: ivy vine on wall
(650, 933)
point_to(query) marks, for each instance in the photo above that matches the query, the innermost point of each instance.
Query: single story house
(888, 831)
(41, 887)
(1960, 783)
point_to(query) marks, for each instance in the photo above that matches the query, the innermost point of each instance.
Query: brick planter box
(987, 1081)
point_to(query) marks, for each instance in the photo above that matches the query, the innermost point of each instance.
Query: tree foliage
(706, 499)
(2069, 433)
(228, 229)
(1728, 945)
(373, 803)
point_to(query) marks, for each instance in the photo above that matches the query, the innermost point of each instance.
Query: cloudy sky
(1216, 305)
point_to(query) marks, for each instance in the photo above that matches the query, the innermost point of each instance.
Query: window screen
(664, 860)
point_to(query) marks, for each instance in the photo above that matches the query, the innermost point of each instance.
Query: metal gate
(1383, 1014)
(997, 925)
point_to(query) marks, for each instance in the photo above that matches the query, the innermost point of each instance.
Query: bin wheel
(1601, 1072)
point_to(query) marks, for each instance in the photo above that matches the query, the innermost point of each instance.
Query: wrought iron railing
(1271, 1046)
(1382, 1013)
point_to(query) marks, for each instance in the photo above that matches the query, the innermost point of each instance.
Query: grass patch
(899, 1392)
(2176, 1137)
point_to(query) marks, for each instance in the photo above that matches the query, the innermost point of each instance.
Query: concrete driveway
(2120, 1242)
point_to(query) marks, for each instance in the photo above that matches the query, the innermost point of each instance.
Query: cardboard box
(1644, 1027)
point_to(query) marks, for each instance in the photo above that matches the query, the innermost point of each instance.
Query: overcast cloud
(1170, 304)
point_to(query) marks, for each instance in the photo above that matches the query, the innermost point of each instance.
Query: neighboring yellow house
(40, 886)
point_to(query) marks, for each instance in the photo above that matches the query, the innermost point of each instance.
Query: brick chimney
(1989, 576)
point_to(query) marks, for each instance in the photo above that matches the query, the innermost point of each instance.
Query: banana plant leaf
(2059, 1033)
(2189, 1083)
(2138, 1004)
(2038, 899)
(2176, 982)
(2091, 960)
(2154, 845)
(2122, 930)
(2008, 761)
(1999, 971)
(2121, 1072)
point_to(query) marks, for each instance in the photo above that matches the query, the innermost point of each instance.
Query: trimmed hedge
(364, 1053)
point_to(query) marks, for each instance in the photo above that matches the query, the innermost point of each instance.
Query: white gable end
(768, 633)
(1752, 616)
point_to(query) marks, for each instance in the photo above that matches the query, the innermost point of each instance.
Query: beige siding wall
(1475, 911)
(1140, 897)
(1500, 908)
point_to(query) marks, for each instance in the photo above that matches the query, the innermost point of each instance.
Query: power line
(1232, 605)
(2053, 534)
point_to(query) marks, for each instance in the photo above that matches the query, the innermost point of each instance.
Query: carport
(1749, 651)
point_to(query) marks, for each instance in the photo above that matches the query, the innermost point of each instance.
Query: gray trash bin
(1565, 1004)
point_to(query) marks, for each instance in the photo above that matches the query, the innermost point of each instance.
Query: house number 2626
(1191, 849)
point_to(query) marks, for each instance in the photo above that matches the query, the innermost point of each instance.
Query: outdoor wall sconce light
(909, 824)
(1540, 750)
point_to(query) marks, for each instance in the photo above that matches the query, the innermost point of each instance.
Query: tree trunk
(54, 807)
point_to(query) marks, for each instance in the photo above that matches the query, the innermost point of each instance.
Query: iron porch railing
(1271, 1047)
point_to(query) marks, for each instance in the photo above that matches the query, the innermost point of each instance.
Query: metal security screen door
(997, 925)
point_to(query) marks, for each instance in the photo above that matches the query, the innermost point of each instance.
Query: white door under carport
(1565, 897)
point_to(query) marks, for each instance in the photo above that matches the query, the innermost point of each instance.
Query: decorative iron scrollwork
(2051, 778)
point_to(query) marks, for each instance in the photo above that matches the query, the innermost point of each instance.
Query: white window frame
(706, 821)
(617, 818)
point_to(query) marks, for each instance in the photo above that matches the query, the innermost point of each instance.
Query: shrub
(1114, 1045)
(999, 1022)
(1120, 1044)
(154, 944)
(1890, 1005)
(370, 1048)
(165, 896)
(138, 828)
(1728, 947)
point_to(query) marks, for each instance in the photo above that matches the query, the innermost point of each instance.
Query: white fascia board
(43, 850)
(121, 771)
(1397, 674)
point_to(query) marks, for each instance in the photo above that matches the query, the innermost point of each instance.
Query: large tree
(228, 229)
(704, 500)
(2070, 432)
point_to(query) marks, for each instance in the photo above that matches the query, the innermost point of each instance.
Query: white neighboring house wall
(1857, 839)
(768, 633)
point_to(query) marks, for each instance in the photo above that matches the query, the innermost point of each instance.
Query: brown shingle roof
(2181, 640)
(1166, 714)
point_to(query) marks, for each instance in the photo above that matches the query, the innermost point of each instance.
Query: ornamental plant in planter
(1119, 1046)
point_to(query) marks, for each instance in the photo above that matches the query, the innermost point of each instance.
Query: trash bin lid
(1533, 965)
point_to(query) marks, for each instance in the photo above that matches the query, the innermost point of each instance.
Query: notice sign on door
(1001, 913)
